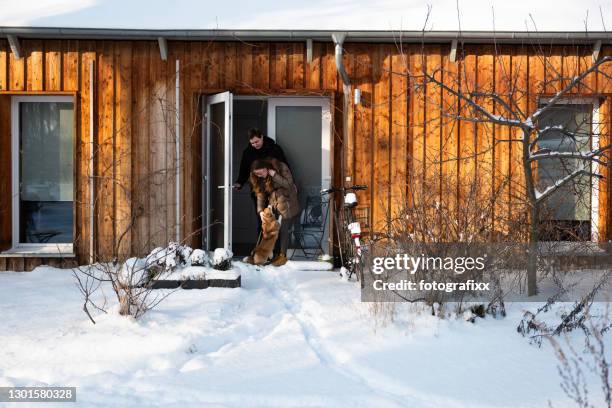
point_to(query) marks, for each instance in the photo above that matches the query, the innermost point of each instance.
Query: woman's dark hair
(254, 132)
(258, 185)
(262, 164)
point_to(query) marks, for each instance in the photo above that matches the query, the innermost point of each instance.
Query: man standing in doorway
(260, 147)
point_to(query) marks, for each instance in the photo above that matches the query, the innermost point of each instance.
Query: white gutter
(391, 36)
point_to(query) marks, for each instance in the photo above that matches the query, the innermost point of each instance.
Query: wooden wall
(396, 136)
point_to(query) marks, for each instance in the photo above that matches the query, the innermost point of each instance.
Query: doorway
(300, 125)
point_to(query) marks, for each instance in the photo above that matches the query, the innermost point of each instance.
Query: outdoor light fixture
(357, 96)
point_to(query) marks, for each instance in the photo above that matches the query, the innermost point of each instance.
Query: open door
(302, 127)
(217, 172)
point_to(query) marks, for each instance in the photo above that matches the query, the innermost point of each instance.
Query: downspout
(338, 39)
(177, 145)
(92, 156)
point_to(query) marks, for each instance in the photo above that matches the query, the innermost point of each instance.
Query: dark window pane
(46, 222)
(46, 172)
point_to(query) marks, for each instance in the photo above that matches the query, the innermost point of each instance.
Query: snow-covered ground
(288, 337)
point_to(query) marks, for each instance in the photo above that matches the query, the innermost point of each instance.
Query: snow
(133, 271)
(220, 255)
(198, 257)
(288, 337)
(310, 265)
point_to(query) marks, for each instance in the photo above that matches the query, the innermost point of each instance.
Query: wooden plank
(140, 147)
(363, 126)
(467, 130)
(245, 64)
(261, 65)
(158, 206)
(399, 131)
(554, 71)
(418, 64)
(432, 137)
(3, 266)
(123, 147)
(193, 134)
(53, 65)
(537, 78)
(16, 72)
(6, 192)
(230, 63)
(16, 264)
(604, 77)
(70, 66)
(585, 60)
(32, 263)
(348, 144)
(381, 167)
(105, 192)
(485, 131)
(605, 118)
(4, 59)
(213, 75)
(501, 176)
(295, 68)
(84, 176)
(570, 66)
(449, 136)
(196, 65)
(313, 68)
(329, 72)
(35, 65)
(278, 65)
(519, 93)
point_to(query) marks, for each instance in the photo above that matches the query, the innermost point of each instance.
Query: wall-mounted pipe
(92, 155)
(177, 145)
(339, 41)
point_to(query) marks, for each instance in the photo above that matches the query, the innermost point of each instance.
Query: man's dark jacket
(250, 154)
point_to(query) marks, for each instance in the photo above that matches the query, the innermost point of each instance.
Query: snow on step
(310, 265)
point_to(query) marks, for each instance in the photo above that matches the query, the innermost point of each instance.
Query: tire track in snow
(280, 291)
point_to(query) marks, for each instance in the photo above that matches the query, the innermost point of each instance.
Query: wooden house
(115, 141)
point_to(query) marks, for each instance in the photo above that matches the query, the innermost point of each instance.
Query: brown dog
(269, 233)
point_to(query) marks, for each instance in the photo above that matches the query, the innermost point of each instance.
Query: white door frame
(326, 119)
(16, 173)
(227, 98)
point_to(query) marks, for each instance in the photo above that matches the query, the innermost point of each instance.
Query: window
(568, 213)
(43, 175)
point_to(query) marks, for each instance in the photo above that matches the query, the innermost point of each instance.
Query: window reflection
(46, 172)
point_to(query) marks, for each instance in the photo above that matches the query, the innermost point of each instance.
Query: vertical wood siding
(398, 138)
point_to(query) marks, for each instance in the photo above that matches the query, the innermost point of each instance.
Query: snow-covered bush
(222, 259)
(133, 272)
(199, 257)
(169, 258)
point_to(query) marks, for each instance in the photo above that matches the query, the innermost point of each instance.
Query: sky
(516, 15)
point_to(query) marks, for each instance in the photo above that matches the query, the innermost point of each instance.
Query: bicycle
(348, 230)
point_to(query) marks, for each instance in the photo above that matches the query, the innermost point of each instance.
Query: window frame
(36, 248)
(595, 136)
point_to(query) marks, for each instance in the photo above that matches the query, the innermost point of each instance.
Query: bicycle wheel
(352, 254)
